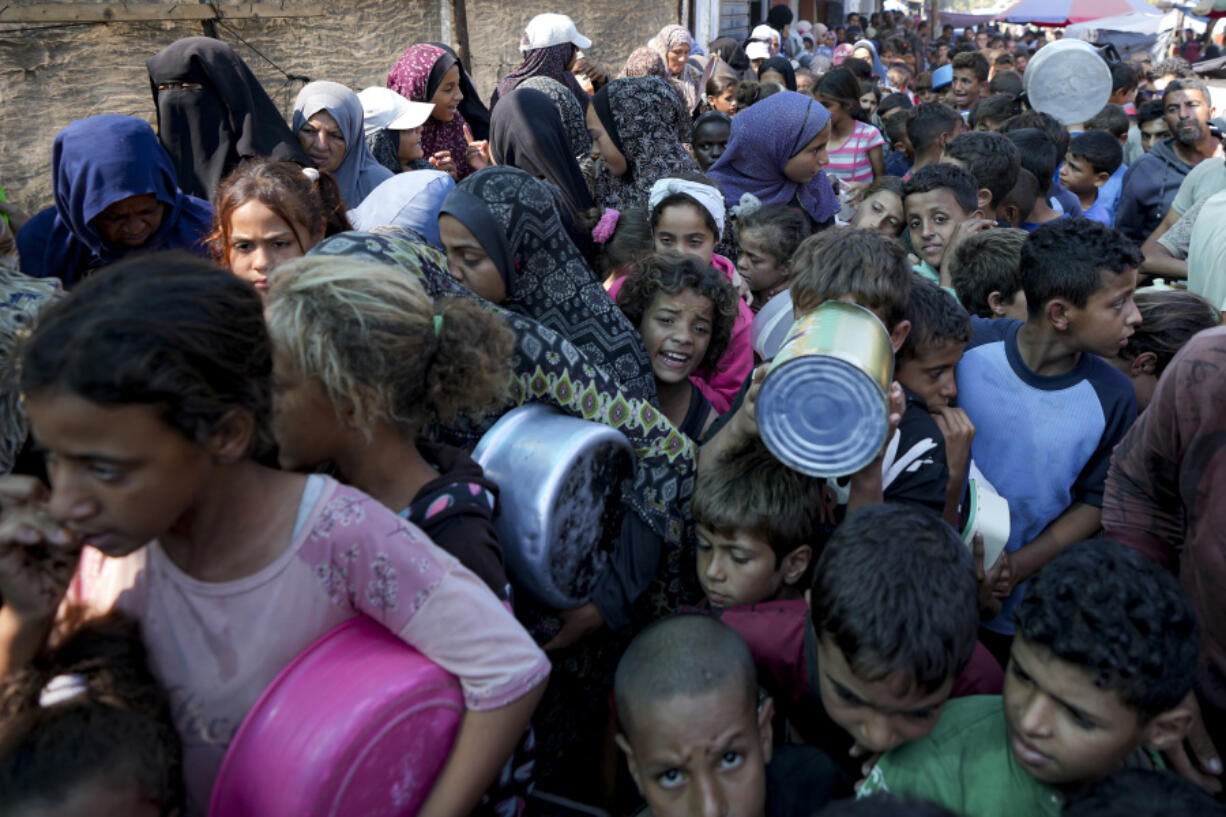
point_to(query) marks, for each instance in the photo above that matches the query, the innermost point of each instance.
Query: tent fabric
(1061, 13)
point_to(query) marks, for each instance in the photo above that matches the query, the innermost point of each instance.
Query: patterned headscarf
(647, 121)
(549, 369)
(689, 78)
(359, 171)
(573, 121)
(543, 62)
(21, 299)
(416, 76)
(764, 136)
(546, 277)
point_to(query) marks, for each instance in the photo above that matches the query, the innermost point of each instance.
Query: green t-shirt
(928, 271)
(1202, 181)
(966, 765)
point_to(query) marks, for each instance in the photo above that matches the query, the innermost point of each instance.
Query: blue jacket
(95, 163)
(1149, 188)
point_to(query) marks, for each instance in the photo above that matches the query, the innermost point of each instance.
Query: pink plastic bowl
(359, 724)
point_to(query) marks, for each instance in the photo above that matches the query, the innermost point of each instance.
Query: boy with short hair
(1040, 158)
(991, 112)
(936, 200)
(898, 162)
(992, 159)
(1047, 409)
(1114, 121)
(1014, 209)
(1092, 158)
(696, 734)
(1152, 124)
(971, 71)
(930, 129)
(1098, 676)
(759, 526)
(985, 274)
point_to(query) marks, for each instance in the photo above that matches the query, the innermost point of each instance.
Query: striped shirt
(849, 162)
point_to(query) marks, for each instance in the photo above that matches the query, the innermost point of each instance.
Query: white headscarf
(707, 196)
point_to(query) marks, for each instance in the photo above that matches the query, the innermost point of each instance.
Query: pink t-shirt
(217, 646)
(849, 162)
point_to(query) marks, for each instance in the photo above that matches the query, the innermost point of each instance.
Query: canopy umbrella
(1060, 13)
(1210, 8)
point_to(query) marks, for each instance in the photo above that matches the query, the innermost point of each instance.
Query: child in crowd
(870, 98)
(1169, 318)
(154, 432)
(266, 213)
(625, 240)
(1098, 677)
(1039, 156)
(1113, 120)
(971, 71)
(937, 200)
(925, 366)
(759, 526)
(767, 237)
(697, 733)
(991, 112)
(984, 273)
(360, 364)
(1016, 208)
(898, 161)
(710, 136)
(1092, 158)
(880, 208)
(722, 93)
(1151, 122)
(684, 311)
(932, 128)
(1062, 200)
(86, 729)
(994, 162)
(855, 147)
(1043, 400)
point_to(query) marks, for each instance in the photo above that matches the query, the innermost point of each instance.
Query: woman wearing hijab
(766, 34)
(212, 114)
(550, 46)
(115, 194)
(505, 242)
(867, 51)
(646, 62)
(776, 154)
(328, 120)
(526, 132)
(674, 44)
(410, 201)
(428, 73)
(732, 53)
(637, 126)
(476, 115)
(573, 121)
(781, 66)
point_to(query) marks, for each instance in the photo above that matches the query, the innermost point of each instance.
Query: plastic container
(359, 723)
(823, 408)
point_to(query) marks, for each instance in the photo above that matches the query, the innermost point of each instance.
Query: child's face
(930, 373)
(304, 421)
(757, 263)
(966, 88)
(1152, 132)
(882, 213)
(869, 103)
(1109, 317)
(932, 218)
(259, 242)
(880, 715)
(1077, 175)
(701, 755)
(120, 476)
(1063, 729)
(709, 142)
(676, 330)
(683, 228)
(805, 165)
(726, 102)
(740, 568)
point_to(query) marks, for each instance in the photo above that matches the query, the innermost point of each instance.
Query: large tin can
(823, 408)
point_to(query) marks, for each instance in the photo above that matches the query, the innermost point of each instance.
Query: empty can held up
(823, 408)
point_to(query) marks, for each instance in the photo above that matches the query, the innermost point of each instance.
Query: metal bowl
(1068, 80)
(559, 480)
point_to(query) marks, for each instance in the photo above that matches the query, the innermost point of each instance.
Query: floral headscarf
(416, 76)
(543, 62)
(646, 119)
(573, 121)
(689, 78)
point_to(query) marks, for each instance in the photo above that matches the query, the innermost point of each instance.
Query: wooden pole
(209, 26)
(934, 19)
(459, 22)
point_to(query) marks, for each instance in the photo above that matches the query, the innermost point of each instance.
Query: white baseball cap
(545, 30)
(758, 51)
(383, 108)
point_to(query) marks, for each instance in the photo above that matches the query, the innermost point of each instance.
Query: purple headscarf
(416, 76)
(551, 62)
(764, 136)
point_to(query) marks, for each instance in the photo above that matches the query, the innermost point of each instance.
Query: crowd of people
(245, 359)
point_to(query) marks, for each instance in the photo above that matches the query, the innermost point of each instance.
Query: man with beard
(1150, 185)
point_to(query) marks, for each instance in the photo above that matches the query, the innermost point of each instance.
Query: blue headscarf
(764, 136)
(412, 200)
(878, 65)
(95, 163)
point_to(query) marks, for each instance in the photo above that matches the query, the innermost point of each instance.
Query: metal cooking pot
(772, 325)
(559, 480)
(823, 408)
(1068, 80)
